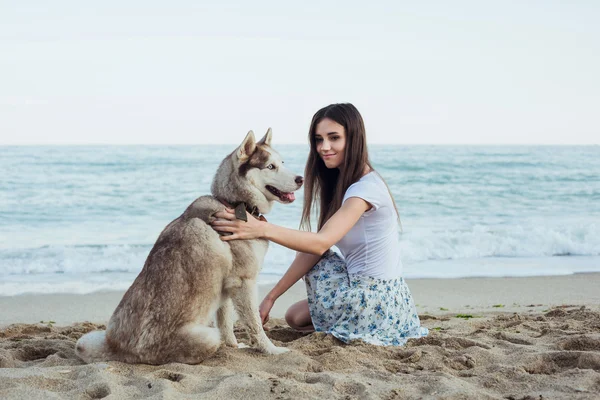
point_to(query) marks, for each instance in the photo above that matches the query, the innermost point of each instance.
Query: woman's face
(330, 138)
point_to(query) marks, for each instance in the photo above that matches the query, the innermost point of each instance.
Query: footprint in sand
(6, 359)
(314, 378)
(98, 391)
(555, 362)
(461, 362)
(512, 339)
(581, 343)
(283, 334)
(451, 342)
(36, 349)
(350, 388)
(169, 375)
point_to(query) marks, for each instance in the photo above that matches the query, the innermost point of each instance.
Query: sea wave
(417, 246)
(76, 259)
(502, 241)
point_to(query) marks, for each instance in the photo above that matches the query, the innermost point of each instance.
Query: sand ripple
(548, 355)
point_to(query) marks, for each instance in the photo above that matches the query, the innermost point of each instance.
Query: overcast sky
(150, 72)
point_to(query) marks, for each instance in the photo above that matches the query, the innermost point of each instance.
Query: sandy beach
(491, 338)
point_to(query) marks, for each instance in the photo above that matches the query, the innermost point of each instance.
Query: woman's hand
(226, 222)
(265, 308)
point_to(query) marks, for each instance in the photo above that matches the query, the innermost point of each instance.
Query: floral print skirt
(352, 306)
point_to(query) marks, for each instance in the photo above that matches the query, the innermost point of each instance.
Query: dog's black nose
(299, 180)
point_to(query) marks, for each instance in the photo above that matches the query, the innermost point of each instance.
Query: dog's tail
(92, 347)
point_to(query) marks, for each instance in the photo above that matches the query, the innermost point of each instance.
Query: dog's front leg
(225, 323)
(246, 305)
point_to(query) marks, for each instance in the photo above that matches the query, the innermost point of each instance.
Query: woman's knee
(291, 317)
(298, 315)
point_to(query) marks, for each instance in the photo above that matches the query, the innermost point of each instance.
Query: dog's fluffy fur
(191, 274)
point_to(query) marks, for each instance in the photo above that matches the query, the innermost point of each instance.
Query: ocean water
(82, 219)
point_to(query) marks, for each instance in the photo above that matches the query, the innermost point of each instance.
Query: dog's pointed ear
(267, 138)
(247, 147)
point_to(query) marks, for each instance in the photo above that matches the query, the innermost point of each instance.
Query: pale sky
(433, 72)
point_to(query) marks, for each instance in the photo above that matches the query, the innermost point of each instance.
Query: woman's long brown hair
(327, 186)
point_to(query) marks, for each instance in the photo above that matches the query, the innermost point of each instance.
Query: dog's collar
(241, 208)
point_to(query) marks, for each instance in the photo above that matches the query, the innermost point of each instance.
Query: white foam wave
(426, 253)
(477, 242)
(505, 241)
(74, 259)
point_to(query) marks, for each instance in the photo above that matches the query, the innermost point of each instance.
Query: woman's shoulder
(370, 188)
(369, 181)
(363, 183)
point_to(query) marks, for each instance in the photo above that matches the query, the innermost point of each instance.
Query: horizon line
(287, 144)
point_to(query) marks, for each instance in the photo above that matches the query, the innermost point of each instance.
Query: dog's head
(258, 175)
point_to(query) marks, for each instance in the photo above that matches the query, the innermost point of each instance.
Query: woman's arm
(299, 267)
(306, 242)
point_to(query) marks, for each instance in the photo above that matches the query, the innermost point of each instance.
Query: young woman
(362, 295)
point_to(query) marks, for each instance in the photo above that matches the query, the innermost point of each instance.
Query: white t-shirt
(372, 246)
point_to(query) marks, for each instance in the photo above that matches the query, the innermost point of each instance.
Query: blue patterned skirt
(352, 306)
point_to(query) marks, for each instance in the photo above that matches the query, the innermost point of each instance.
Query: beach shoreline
(432, 296)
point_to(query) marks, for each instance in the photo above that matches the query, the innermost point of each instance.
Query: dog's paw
(242, 346)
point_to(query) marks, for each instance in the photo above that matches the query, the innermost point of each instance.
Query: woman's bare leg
(298, 317)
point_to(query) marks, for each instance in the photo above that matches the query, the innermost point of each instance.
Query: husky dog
(190, 274)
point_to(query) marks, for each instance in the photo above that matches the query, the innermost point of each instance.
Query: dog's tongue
(288, 196)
